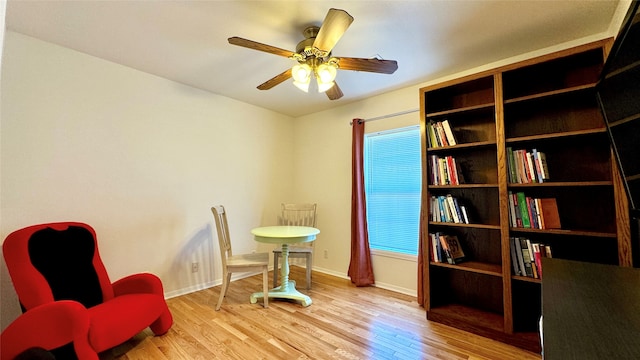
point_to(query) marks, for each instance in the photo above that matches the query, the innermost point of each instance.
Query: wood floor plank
(344, 322)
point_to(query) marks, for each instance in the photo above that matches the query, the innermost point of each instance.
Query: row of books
(534, 213)
(444, 171)
(440, 134)
(526, 257)
(445, 248)
(446, 208)
(527, 166)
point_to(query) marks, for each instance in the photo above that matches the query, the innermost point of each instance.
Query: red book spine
(538, 258)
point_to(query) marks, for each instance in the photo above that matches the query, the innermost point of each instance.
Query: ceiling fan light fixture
(326, 73)
(301, 73)
(303, 85)
(322, 86)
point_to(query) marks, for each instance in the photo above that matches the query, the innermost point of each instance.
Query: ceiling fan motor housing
(305, 47)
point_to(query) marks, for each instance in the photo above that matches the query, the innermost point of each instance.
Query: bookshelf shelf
(463, 146)
(526, 279)
(551, 93)
(476, 226)
(565, 232)
(474, 266)
(556, 135)
(628, 119)
(463, 186)
(562, 183)
(462, 110)
(622, 70)
(547, 104)
(461, 316)
(633, 177)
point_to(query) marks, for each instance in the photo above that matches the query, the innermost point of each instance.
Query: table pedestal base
(284, 291)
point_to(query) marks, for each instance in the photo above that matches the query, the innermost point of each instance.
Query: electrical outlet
(326, 254)
(195, 267)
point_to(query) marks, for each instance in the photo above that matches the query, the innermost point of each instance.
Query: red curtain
(420, 259)
(360, 268)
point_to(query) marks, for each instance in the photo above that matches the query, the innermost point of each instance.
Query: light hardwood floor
(344, 322)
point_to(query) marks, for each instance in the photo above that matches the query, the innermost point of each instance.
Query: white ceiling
(186, 41)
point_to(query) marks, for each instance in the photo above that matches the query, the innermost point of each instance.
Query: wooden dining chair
(237, 263)
(296, 215)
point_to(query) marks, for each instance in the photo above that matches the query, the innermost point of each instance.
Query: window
(392, 168)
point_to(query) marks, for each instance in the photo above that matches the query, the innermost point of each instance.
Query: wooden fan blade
(285, 75)
(334, 93)
(370, 65)
(333, 27)
(259, 46)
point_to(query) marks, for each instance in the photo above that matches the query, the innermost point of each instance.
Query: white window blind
(392, 169)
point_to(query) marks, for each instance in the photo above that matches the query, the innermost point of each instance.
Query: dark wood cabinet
(549, 104)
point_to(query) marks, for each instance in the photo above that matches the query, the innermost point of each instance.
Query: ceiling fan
(313, 56)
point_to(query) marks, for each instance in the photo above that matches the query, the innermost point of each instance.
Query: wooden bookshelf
(549, 104)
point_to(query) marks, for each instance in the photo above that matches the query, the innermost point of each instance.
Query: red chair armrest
(144, 283)
(49, 326)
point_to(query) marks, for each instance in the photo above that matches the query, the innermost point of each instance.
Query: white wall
(140, 158)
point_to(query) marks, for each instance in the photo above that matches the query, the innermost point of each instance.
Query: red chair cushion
(116, 320)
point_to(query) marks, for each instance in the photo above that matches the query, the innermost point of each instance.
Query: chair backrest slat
(298, 215)
(224, 239)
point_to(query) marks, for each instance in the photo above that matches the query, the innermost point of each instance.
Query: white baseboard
(390, 287)
(198, 287)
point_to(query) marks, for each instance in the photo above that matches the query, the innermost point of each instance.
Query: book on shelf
(515, 242)
(432, 139)
(455, 249)
(524, 213)
(532, 258)
(444, 171)
(526, 257)
(537, 255)
(446, 248)
(511, 165)
(531, 170)
(536, 163)
(544, 169)
(438, 252)
(513, 219)
(434, 254)
(526, 167)
(538, 206)
(446, 208)
(440, 134)
(549, 209)
(451, 170)
(465, 214)
(514, 258)
(453, 208)
(534, 213)
(448, 132)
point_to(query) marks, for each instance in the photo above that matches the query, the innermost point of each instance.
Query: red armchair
(67, 296)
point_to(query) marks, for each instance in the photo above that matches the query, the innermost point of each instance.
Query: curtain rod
(388, 116)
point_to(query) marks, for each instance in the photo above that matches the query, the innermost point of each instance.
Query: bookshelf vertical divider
(545, 104)
(504, 211)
